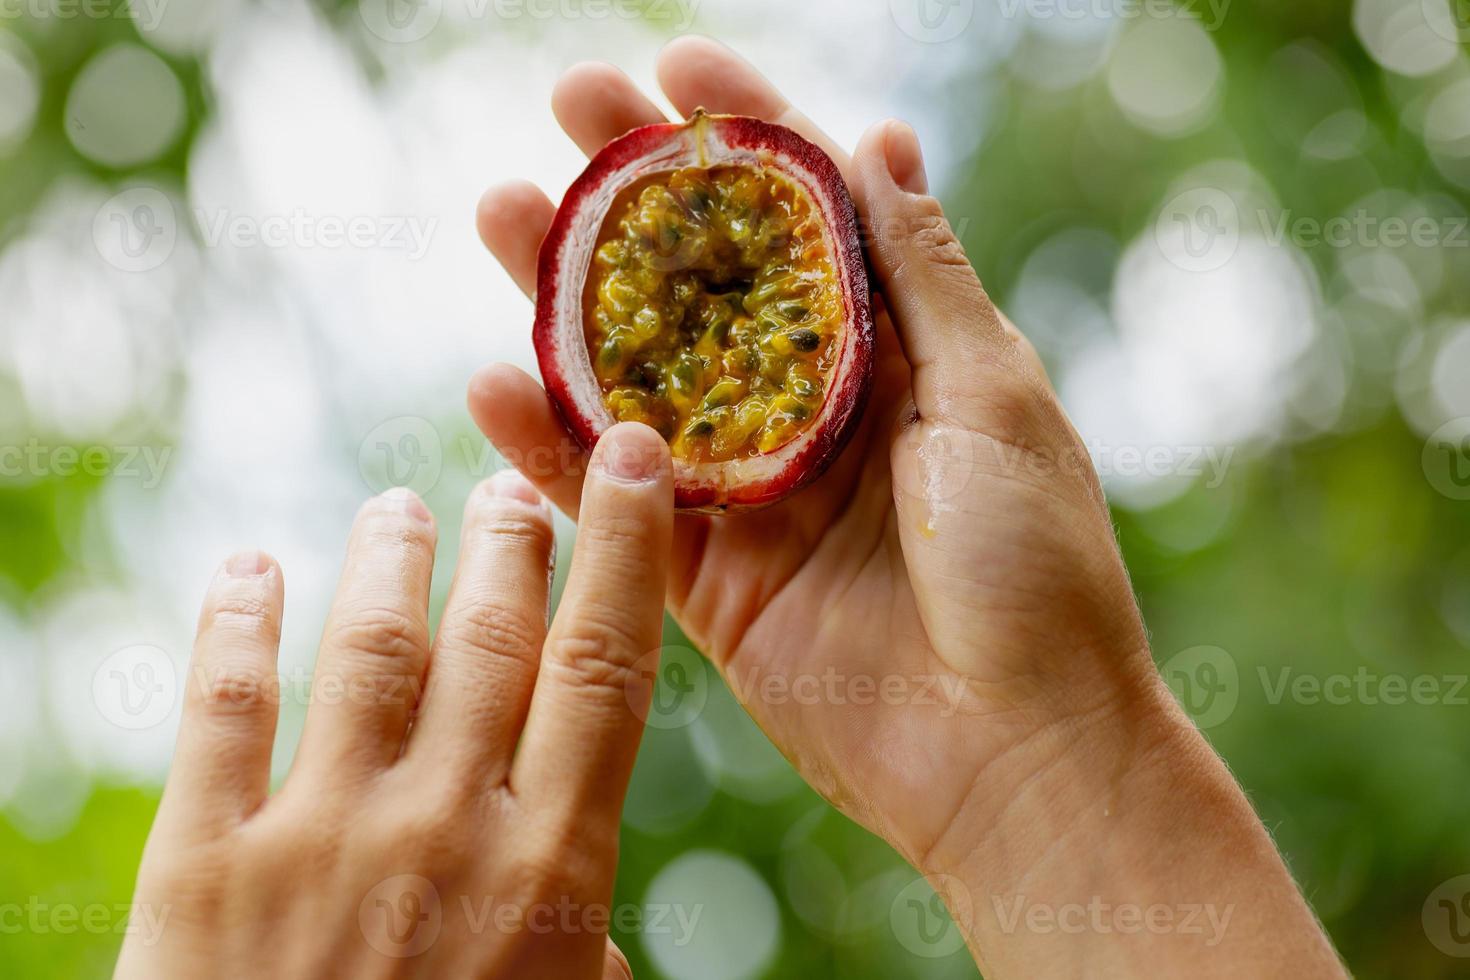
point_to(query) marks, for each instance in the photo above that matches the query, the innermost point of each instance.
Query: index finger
(587, 712)
(697, 71)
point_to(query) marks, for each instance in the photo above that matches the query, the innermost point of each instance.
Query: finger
(512, 219)
(586, 714)
(964, 363)
(221, 767)
(520, 421)
(485, 655)
(376, 642)
(596, 103)
(615, 964)
(699, 71)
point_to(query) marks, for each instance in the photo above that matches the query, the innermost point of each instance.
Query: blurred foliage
(1324, 555)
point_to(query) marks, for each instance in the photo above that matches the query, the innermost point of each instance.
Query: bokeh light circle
(733, 925)
(126, 107)
(1166, 76)
(1401, 38)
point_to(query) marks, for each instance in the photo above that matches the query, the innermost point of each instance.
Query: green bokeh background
(1325, 554)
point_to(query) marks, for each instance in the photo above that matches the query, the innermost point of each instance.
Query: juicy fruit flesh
(713, 310)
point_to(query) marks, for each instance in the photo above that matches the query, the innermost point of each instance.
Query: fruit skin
(562, 266)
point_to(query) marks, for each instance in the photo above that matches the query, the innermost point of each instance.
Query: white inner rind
(575, 259)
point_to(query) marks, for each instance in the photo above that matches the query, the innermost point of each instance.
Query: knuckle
(484, 628)
(616, 533)
(388, 531)
(931, 236)
(238, 688)
(245, 614)
(492, 520)
(379, 632)
(596, 658)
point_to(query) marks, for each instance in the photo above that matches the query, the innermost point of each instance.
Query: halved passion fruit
(706, 278)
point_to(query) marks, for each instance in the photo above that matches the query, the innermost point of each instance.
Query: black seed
(805, 340)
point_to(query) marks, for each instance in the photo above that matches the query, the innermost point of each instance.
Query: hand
(961, 543)
(951, 588)
(412, 835)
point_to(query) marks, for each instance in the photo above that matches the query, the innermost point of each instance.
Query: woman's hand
(413, 835)
(950, 591)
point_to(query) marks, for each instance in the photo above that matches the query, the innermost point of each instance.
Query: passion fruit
(706, 278)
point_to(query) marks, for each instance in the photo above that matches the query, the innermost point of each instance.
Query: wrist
(1116, 842)
(1072, 771)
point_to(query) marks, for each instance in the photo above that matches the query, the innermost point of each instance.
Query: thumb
(969, 364)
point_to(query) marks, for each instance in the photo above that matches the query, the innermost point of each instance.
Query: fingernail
(406, 501)
(511, 485)
(247, 564)
(632, 460)
(905, 158)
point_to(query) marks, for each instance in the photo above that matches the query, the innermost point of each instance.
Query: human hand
(960, 545)
(451, 797)
(950, 590)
